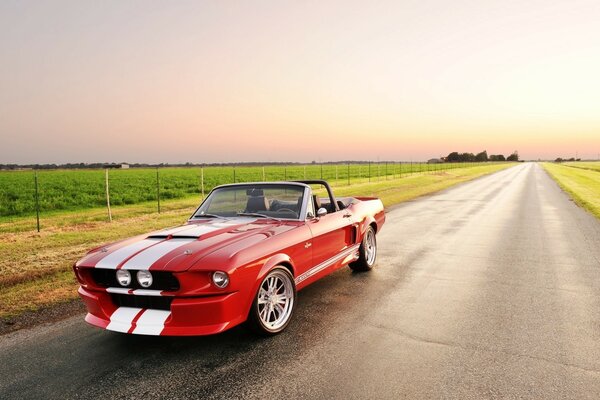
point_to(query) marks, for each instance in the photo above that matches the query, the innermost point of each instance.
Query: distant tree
(453, 157)
(513, 157)
(483, 156)
(572, 159)
(497, 157)
(559, 160)
(467, 157)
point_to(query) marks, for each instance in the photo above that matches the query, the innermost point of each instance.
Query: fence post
(348, 174)
(202, 182)
(234, 174)
(107, 195)
(305, 172)
(157, 190)
(369, 171)
(37, 201)
(400, 169)
(285, 173)
(263, 171)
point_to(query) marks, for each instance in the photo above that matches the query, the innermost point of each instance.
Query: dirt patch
(44, 315)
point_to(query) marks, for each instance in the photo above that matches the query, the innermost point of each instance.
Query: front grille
(152, 302)
(161, 280)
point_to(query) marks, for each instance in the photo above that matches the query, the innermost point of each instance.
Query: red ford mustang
(240, 257)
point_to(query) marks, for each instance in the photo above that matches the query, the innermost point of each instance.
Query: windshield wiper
(251, 214)
(207, 216)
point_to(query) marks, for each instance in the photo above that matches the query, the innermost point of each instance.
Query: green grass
(71, 190)
(35, 268)
(591, 165)
(582, 184)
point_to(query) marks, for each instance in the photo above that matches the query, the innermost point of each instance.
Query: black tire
(366, 260)
(257, 323)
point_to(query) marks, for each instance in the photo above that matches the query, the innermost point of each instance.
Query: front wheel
(274, 303)
(367, 253)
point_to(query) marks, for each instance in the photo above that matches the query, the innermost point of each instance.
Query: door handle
(347, 215)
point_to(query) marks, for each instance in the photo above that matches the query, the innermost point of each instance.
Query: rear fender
(364, 225)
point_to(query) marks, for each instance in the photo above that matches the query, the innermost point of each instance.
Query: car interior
(273, 208)
(342, 202)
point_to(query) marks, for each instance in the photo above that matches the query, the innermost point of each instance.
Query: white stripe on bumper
(121, 319)
(151, 322)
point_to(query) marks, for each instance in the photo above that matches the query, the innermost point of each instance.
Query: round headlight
(123, 277)
(220, 279)
(144, 278)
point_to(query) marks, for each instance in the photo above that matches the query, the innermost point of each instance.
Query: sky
(226, 81)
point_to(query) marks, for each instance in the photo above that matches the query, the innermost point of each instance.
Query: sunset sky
(225, 81)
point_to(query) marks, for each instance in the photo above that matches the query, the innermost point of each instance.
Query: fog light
(144, 278)
(220, 279)
(123, 277)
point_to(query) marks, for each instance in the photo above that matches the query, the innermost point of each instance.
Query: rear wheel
(367, 253)
(274, 303)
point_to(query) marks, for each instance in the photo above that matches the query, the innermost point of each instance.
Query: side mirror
(321, 212)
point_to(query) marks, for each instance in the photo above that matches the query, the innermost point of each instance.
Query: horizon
(286, 82)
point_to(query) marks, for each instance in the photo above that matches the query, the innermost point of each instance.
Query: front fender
(272, 262)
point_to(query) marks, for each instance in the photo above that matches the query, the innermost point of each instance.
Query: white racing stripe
(147, 292)
(119, 290)
(112, 260)
(121, 319)
(197, 230)
(151, 322)
(174, 231)
(146, 258)
(320, 267)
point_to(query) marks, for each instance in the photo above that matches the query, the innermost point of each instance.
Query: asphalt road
(487, 290)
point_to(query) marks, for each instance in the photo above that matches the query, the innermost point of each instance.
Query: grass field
(591, 165)
(61, 190)
(35, 268)
(582, 183)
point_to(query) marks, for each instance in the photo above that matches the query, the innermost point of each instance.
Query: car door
(332, 233)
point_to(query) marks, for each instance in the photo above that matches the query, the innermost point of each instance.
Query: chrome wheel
(275, 301)
(370, 247)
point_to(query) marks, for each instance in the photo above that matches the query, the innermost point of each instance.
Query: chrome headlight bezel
(220, 279)
(144, 278)
(123, 277)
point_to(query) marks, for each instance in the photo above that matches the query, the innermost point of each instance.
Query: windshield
(273, 201)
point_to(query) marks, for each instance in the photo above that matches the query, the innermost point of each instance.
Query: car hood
(177, 249)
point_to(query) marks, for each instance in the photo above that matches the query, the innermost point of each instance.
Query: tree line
(479, 157)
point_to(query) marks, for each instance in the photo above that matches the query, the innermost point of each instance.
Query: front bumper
(187, 316)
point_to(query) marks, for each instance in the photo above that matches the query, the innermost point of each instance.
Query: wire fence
(35, 192)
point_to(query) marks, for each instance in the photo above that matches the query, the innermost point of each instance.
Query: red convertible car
(241, 256)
